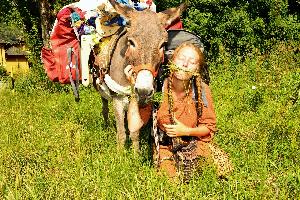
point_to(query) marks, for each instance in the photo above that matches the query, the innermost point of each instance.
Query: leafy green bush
(240, 26)
(2, 71)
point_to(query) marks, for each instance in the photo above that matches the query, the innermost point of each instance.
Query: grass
(54, 148)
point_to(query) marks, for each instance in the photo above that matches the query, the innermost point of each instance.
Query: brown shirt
(185, 111)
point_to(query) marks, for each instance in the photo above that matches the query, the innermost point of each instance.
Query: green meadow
(54, 148)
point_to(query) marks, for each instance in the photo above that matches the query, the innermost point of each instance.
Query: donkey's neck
(118, 62)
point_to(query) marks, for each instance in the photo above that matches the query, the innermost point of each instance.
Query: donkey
(141, 47)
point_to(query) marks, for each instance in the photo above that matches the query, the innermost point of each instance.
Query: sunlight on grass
(54, 148)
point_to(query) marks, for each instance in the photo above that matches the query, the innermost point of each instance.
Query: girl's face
(187, 60)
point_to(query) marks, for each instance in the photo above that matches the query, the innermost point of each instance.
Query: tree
(35, 17)
(240, 26)
(237, 26)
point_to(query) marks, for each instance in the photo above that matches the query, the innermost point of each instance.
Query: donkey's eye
(163, 45)
(131, 43)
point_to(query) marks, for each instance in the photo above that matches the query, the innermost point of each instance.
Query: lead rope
(184, 156)
(176, 146)
(156, 136)
(74, 84)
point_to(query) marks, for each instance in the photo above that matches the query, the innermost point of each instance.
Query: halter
(149, 67)
(138, 68)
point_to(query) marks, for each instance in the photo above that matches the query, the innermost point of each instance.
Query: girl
(186, 116)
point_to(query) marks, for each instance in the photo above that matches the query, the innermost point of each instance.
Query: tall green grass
(54, 148)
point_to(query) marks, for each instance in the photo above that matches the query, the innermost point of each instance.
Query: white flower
(253, 87)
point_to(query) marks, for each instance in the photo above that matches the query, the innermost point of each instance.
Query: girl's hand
(177, 129)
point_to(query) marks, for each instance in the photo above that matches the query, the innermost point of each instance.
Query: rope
(75, 85)
(156, 136)
(185, 156)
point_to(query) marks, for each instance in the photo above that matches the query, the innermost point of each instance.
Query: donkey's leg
(119, 110)
(135, 137)
(105, 110)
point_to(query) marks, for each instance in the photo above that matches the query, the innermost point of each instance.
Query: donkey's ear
(122, 9)
(171, 14)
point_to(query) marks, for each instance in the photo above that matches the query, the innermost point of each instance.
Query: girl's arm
(179, 129)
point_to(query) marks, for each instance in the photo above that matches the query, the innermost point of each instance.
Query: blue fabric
(121, 21)
(75, 17)
(91, 21)
(116, 20)
(139, 6)
(125, 2)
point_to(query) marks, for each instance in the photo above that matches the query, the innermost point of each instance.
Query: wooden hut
(13, 57)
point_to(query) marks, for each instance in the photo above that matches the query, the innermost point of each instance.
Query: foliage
(240, 26)
(25, 14)
(23, 17)
(2, 71)
(10, 34)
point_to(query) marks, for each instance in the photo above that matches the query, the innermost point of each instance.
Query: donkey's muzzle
(144, 96)
(144, 93)
(143, 87)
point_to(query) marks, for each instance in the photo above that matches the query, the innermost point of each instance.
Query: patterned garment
(207, 150)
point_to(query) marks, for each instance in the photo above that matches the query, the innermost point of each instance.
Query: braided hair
(198, 77)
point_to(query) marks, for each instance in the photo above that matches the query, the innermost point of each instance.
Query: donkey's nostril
(136, 90)
(144, 93)
(150, 93)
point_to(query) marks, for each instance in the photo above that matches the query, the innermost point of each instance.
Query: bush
(3, 71)
(240, 27)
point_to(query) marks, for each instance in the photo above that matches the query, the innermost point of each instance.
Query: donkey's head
(146, 37)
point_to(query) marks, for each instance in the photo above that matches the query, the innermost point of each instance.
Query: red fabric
(49, 64)
(62, 38)
(149, 2)
(145, 113)
(177, 24)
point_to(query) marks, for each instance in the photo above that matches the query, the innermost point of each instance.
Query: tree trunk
(46, 20)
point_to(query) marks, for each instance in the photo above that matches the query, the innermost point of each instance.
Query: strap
(75, 85)
(76, 91)
(148, 67)
(203, 95)
(120, 33)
